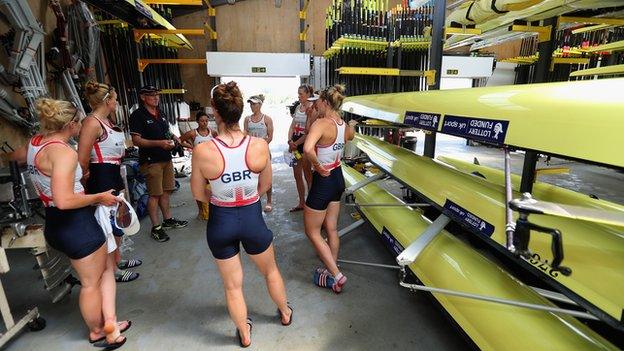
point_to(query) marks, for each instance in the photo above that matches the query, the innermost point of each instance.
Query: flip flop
(268, 208)
(240, 338)
(126, 276)
(279, 313)
(107, 346)
(128, 325)
(125, 264)
(296, 209)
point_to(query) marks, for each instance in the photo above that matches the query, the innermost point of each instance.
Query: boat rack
(411, 253)
(506, 117)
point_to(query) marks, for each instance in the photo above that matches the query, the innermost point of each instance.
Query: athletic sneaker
(174, 223)
(158, 233)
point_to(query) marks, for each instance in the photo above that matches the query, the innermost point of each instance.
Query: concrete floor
(178, 301)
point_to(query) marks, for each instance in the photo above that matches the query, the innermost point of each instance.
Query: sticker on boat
(427, 121)
(392, 243)
(468, 218)
(488, 130)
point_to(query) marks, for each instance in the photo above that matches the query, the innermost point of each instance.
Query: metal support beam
(369, 264)
(545, 50)
(348, 229)
(532, 306)
(350, 190)
(435, 63)
(410, 254)
(389, 205)
(528, 172)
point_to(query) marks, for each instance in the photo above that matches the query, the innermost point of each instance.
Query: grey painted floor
(178, 303)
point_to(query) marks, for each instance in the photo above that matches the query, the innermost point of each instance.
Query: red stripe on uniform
(98, 153)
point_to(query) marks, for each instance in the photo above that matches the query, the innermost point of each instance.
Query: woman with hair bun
(239, 169)
(324, 147)
(260, 126)
(70, 224)
(100, 151)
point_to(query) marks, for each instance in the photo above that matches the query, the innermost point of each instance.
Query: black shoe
(158, 233)
(174, 223)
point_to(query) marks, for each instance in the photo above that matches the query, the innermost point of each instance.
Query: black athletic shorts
(295, 138)
(228, 227)
(325, 189)
(104, 177)
(75, 233)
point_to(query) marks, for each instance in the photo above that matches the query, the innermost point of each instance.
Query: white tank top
(300, 118)
(329, 155)
(110, 147)
(42, 181)
(200, 138)
(237, 185)
(257, 129)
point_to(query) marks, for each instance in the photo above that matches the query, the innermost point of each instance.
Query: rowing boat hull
(448, 262)
(580, 120)
(595, 253)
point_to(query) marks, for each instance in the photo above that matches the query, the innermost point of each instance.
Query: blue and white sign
(488, 130)
(143, 9)
(391, 242)
(427, 121)
(466, 217)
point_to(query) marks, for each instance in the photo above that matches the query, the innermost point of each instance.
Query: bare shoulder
(61, 152)
(204, 148)
(321, 123)
(258, 144)
(90, 122)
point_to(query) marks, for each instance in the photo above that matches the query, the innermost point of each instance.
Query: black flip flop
(296, 209)
(128, 325)
(240, 337)
(126, 276)
(130, 263)
(107, 346)
(279, 313)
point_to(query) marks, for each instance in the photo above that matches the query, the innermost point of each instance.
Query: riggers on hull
(541, 191)
(595, 253)
(448, 262)
(580, 120)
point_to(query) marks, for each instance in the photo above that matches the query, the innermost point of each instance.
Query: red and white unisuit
(237, 185)
(329, 155)
(300, 118)
(110, 147)
(41, 180)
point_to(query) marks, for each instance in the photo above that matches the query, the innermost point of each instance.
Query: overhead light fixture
(231, 2)
(278, 3)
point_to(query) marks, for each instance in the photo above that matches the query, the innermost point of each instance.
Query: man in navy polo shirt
(150, 133)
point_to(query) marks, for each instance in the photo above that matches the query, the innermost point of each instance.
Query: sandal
(107, 346)
(125, 264)
(125, 276)
(296, 209)
(121, 330)
(291, 315)
(268, 208)
(240, 337)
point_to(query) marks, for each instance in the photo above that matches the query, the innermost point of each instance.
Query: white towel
(103, 216)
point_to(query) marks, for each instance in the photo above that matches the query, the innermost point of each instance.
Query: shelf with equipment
(600, 71)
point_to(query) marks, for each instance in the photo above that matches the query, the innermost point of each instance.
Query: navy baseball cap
(149, 89)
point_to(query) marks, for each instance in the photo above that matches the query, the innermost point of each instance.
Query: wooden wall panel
(258, 26)
(194, 77)
(504, 50)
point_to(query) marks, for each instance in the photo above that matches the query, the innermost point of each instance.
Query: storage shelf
(599, 71)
